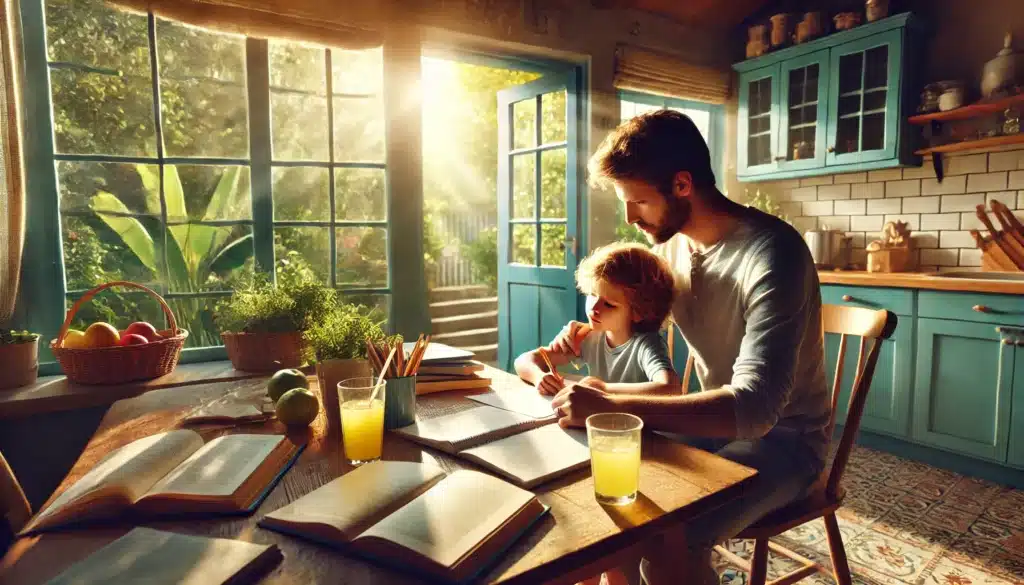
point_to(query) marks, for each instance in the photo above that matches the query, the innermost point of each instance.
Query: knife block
(890, 260)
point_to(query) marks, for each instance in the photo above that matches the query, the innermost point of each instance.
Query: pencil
(547, 360)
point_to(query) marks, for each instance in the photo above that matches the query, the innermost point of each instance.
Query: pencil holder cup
(400, 402)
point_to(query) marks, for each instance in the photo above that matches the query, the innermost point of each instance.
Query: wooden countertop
(921, 280)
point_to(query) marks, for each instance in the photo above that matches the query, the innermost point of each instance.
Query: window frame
(716, 123)
(43, 288)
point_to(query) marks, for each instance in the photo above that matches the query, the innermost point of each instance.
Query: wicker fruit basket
(120, 364)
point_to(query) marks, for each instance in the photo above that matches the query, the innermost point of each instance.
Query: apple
(285, 380)
(75, 339)
(133, 339)
(144, 329)
(101, 334)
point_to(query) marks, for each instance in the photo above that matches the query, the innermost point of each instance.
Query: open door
(538, 202)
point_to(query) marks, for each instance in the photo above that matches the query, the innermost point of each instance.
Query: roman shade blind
(647, 71)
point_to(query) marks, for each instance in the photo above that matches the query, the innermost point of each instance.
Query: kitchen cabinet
(1016, 451)
(833, 105)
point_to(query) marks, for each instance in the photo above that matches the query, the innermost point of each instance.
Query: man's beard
(676, 216)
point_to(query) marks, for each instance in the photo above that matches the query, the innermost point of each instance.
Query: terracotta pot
(328, 374)
(781, 30)
(876, 9)
(264, 352)
(19, 364)
(757, 41)
(846, 20)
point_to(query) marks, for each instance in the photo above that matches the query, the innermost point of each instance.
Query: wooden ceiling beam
(712, 13)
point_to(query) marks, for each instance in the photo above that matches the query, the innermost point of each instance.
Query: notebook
(454, 432)
(439, 352)
(524, 401)
(456, 368)
(174, 473)
(414, 517)
(156, 557)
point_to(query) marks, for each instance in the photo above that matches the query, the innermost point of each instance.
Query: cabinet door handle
(847, 299)
(831, 148)
(981, 309)
(780, 158)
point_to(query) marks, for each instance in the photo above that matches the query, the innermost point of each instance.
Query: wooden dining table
(578, 538)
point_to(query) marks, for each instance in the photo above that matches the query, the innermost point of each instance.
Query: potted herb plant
(262, 324)
(19, 358)
(337, 344)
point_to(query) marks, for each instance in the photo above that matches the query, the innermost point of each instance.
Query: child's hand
(569, 338)
(595, 383)
(550, 384)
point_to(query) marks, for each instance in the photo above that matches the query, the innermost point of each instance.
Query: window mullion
(257, 65)
(164, 267)
(333, 238)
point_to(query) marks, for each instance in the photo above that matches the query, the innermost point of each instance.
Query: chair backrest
(14, 506)
(868, 325)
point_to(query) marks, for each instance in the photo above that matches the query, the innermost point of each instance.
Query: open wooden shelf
(968, 112)
(974, 144)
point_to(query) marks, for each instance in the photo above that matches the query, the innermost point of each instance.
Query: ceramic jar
(781, 25)
(811, 27)
(876, 9)
(1005, 72)
(846, 20)
(757, 41)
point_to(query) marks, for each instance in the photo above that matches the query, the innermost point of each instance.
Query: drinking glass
(614, 439)
(362, 419)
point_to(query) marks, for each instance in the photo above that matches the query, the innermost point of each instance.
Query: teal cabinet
(887, 409)
(962, 388)
(1016, 453)
(833, 105)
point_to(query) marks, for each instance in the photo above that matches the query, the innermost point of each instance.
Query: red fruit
(144, 329)
(133, 339)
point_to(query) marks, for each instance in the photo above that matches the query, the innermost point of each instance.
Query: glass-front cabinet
(832, 105)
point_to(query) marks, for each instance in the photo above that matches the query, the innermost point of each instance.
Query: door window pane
(552, 244)
(552, 111)
(524, 129)
(524, 185)
(522, 249)
(552, 188)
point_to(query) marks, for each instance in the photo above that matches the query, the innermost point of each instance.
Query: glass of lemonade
(614, 439)
(362, 420)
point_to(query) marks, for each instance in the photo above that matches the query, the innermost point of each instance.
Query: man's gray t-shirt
(751, 317)
(636, 361)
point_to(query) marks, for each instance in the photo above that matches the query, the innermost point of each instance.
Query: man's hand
(550, 384)
(595, 383)
(566, 341)
(574, 404)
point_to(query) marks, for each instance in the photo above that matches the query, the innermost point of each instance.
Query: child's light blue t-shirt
(636, 361)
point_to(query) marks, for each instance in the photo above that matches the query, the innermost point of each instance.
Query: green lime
(297, 407)
(285, 380)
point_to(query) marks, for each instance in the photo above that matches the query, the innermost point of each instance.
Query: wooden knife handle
(983, 216)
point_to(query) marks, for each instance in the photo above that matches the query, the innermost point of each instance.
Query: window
(174, 169)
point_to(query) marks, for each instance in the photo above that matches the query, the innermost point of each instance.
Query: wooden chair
(826, 495)
(14, 507)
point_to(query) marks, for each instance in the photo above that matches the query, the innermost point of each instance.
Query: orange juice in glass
(614, 440)
(362, 419)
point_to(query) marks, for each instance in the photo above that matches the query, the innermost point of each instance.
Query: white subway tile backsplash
(1006, 161)
(955, 239)
(940, 221)
(961, 202)
(903, 188)
(858, 256)
(802, 194)
(857, 239)
(851, 207)
(785, 184)
(1020, 199)
(986, 182)
(1016, 180)
(867, 191)
(812, 181)
(921, 204)
(941, 257)
(925, 239)
(969, 163)
(912, 219)
(969, 221)
(886, 175)
(970, 257)
(851, 178)
(866, 223)
(1005, 197)
(815, 208)
(803, 224)
(828, 192)
(925, 171)
(947, 186)
(791, 208)
(883, 206)
(834, 222)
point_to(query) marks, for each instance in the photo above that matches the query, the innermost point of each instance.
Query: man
(750, 311)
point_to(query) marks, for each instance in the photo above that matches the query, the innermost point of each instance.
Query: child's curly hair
(646, 279)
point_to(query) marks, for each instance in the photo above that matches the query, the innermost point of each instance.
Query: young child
(629, 295)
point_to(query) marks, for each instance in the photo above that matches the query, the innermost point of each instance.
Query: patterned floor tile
(914, 504)
(861, 511)
(978, 490)
(1006, 512)
(1008, 566)
(885, 496)
(948, 572)
(991, 531)
(950, 518)
(905, 480)
(1015, 544)
(971, 550)
(895, 522)
(882, 556)
(928, 537)
(963, 502)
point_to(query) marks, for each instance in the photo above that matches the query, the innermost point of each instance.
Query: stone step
(469, 321)
(463, 307)
(454, 293)
(468, 338)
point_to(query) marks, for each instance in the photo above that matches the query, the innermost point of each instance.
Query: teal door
(803, 105)
(863, 114)
(538, 223)
(887, 409)
(1016, 455)
(758, 122)
(962, 388)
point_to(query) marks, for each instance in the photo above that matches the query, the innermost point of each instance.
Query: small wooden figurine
(891, 253)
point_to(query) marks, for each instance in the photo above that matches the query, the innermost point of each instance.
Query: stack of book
(449, 368)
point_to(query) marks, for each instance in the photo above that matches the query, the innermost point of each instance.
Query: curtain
(12, 194)
(317, 21)
(646, 71)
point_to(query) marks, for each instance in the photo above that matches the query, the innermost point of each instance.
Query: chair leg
(759, 562)
(840, 568)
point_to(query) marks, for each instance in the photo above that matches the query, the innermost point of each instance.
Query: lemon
(285, 380)
(297, 407)
(75, 339)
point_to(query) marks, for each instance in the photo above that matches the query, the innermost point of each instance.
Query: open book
(413, 516)
(156, 557)
(174, 473)
(527, 450)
